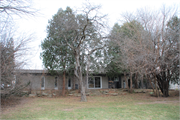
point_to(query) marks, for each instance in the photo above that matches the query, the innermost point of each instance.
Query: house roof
(32, 71)
(35, 71)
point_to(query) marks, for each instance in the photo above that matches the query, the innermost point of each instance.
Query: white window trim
(43, 88)
(94, 77)
(56, 88)
(124, 83)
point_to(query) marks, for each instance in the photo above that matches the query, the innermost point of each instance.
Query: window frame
(94, 82)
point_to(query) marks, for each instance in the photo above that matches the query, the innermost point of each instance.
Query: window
(91, 82)
(116, 79)
(43, 83)
(97, 82)
(94, 82)
(69, 83)
(55, 83)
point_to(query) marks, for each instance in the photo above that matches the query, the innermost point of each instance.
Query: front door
(114, 82)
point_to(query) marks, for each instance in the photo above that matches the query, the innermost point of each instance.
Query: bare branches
(13, 49)
(77, 32)
(17, 7)
(12, 54)
(148, 44)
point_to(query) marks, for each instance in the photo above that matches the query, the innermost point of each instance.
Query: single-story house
(42, 80)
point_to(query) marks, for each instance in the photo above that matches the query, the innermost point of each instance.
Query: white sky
(47, 8)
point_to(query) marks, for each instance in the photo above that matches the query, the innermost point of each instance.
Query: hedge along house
(42, 80)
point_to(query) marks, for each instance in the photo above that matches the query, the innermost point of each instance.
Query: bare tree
(81, 33)
(12, 49)
(88, 31)
(12, 57)
(126, 37)
(153, 50)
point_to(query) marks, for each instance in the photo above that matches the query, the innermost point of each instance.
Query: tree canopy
(149, 45)
(57, 55)
(73, 39)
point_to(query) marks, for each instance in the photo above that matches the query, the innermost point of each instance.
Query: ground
(137, 106)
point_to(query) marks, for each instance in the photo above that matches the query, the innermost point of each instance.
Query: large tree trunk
(64, 83)
(83, 94)
(163, 85)
(136, 81)
(165, 88)
(79, 88)
(78, 74)
(156, 86)
(87, 72)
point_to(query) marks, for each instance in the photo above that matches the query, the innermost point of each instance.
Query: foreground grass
(130, 106)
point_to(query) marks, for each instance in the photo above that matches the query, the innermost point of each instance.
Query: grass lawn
(135, 106)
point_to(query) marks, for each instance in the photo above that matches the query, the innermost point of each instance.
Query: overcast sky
(47, 8)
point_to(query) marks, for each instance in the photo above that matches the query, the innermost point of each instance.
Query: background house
(44, 81)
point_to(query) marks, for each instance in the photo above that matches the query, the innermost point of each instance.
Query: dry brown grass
(138, 105)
